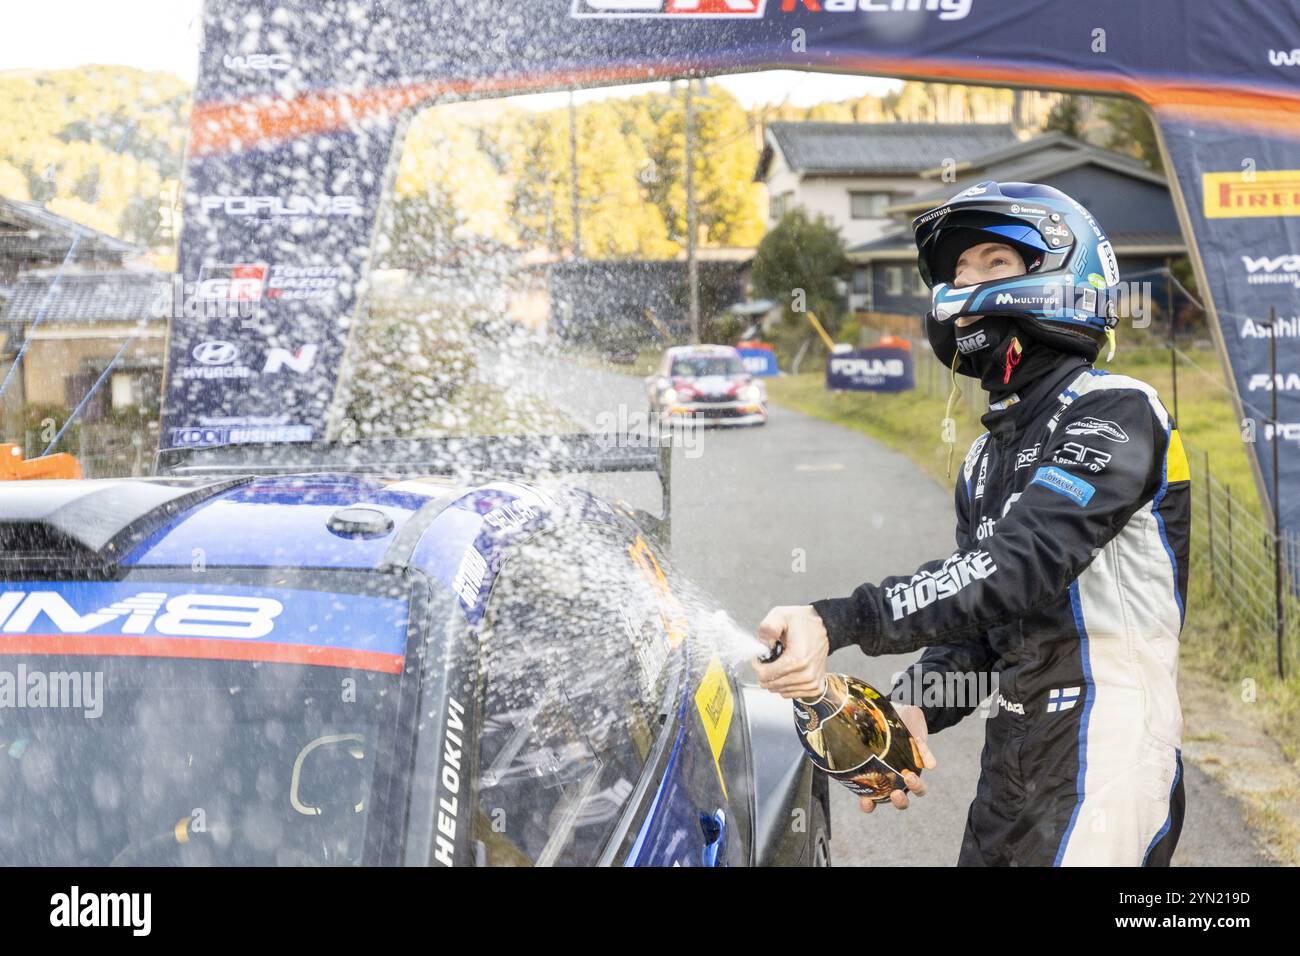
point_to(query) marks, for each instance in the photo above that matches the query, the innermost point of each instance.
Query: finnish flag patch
(1061, 698)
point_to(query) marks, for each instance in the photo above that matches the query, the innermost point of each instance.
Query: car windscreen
(172, 722)
(698, 366)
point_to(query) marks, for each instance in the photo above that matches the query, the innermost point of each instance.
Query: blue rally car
(245, 661)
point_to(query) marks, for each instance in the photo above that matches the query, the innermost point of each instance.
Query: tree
(797, 264)
(95, 144)
(727, 199)
(1130, 131)
(1066, 117)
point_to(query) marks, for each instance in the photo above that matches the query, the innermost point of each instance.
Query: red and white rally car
(706, 383)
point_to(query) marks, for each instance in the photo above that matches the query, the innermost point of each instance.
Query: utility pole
(573, 176)
(692, 268)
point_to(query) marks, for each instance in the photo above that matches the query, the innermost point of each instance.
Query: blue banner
(758, 361)
(870, 370)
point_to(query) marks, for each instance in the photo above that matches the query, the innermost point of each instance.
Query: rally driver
(1070, 572)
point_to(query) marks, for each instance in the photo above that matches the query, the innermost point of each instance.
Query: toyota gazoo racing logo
(249, 282)
(1272, 270)
(269, 207)
(241, 282)
(303, 283)
(669, 8)
(232, 616)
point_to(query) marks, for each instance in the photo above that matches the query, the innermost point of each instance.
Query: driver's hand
(800, 671)
(914, 720)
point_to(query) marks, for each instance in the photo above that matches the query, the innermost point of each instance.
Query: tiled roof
(1031, 168)
(903, 148)
(85, 297)
(35, 218)
(901, 242)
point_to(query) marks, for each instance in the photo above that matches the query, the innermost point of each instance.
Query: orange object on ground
(894, 342)
(13, 467)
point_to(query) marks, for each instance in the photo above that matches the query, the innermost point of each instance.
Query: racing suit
(1067, 589)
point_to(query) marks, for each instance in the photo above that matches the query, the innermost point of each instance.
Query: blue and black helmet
(1066, 298)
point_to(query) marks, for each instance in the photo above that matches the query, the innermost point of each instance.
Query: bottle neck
(820, 697)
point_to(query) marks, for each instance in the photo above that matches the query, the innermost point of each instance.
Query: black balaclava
(1005, 354)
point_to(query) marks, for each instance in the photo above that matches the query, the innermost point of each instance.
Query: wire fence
(104, 450)
(1237, 549)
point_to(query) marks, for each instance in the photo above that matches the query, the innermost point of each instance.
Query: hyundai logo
(215, 352)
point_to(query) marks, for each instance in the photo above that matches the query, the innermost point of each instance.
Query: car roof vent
(89, 525)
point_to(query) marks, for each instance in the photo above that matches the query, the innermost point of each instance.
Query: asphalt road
(801, 509)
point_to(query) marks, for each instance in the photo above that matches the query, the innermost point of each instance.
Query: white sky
(164, 35)
(57, 34)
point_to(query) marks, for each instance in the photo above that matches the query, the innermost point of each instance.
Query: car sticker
(716, 704)
(204, 621)
(670, 609)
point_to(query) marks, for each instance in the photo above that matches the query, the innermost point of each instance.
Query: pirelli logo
(637, 9)
(1275, 192)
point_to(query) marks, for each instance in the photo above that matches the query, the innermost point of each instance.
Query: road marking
(828, 467)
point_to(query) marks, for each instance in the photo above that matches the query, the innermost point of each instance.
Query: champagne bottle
(853, 733)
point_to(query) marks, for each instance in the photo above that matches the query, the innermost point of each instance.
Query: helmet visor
(941, 242)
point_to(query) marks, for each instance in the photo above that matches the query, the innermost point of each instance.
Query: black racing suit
(1066, 592)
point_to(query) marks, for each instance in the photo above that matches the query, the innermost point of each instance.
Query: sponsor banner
(1246, 219)
(1239, 193)
(203, 621)
(759, 358)
(279, 269)
(870, 370)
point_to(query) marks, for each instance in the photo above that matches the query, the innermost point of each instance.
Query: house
(74, 324)
(33, 238)
(71, 296)
(1129, 199)
(851, 173)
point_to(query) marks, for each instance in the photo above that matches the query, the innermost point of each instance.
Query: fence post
(1277, 488)
(1232, 576)
(1209, 524)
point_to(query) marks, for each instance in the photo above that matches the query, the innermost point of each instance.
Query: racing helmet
(1066, 298)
